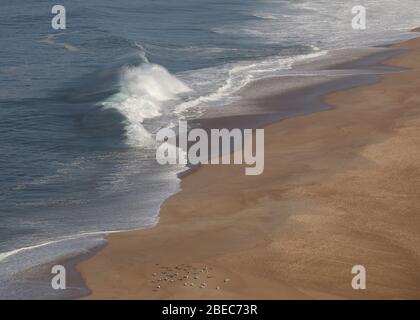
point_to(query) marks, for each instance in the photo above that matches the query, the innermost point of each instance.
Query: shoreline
(129, 241)
(264, 115)
(369, 58)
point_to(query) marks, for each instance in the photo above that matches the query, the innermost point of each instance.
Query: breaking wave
(143, 92)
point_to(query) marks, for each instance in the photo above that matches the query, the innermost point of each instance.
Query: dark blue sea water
(79, 107)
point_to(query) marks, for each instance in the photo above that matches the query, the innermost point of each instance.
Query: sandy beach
(340, 188)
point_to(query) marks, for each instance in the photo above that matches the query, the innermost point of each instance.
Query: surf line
(196, 147)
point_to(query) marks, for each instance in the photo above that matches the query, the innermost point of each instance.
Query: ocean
(79, 107)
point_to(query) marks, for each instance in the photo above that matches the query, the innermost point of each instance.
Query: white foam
(143, 91)
(239, 75)
(266, 16)
(142, 52)
(50, 39)
(7, 254)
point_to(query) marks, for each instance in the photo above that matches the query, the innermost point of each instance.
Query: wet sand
(340, 188)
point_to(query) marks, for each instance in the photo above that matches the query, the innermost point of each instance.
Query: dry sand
(340, 188)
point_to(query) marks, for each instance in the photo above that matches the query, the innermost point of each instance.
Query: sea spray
(142, 93)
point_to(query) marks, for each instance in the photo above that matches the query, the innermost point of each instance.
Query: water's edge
(314, 94)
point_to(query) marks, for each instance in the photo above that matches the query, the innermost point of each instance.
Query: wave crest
(143, 90)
